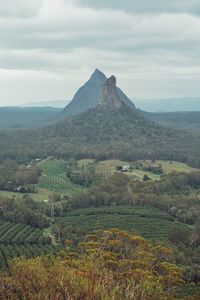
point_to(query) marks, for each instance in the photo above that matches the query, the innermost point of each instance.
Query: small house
(125, 168)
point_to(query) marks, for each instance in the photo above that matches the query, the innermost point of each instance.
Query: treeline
(24, 211)
(14, 177)
(187, 251)
(119, 135)
(176, 194)
(84, 175)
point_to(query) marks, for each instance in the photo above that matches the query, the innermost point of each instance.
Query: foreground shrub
(108, 265)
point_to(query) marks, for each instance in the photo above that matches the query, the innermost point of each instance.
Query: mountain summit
(98, 75)
(110, 97)
(89, 95)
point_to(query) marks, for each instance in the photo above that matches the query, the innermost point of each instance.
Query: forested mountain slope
(180, 120)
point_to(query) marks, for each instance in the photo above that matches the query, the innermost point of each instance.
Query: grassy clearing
(140, 174)
(108, 168)
(147, 221)
(41, 195)
(170, 166)
(109, 165)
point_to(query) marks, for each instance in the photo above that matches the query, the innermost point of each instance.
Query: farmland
(145, 220)
(108, 168)
(22, 240)
(54, 177)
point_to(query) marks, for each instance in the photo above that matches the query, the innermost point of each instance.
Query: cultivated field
(54, 177)
(22, 240)
(147, 221)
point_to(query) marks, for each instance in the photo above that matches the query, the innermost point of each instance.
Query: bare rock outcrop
(110, 97)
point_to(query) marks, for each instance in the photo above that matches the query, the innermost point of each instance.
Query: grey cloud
(19, 8)
(145, 6)
(105, 30)
(144, 44)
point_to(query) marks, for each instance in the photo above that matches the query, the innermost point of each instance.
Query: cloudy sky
(48, 48)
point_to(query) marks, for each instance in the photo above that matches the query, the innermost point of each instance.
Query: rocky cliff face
(110, 97)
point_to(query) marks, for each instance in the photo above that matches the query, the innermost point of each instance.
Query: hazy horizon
(183, 104)
(49, 48)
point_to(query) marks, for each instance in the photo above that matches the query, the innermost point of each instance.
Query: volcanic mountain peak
(89, 95)
(98, 75)
(110, 97)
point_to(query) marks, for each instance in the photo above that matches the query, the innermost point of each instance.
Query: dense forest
(123, 134)
(14, 177)
(189, 121)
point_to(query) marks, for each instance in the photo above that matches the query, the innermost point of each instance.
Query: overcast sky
(48, 48)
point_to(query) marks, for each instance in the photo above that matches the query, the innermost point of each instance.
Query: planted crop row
(22, 240)
(36, 237)
(153, 225)
(22, 235)
(136, 210)
(18, 233)
(10, 233)
(5, 227)
(148, 227)
(54, 177)
(9, 252)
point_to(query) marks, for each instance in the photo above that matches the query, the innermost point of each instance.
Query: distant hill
(179, 120)
(58, 103)
(27, 117)
(169, 104)
(89, 94)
